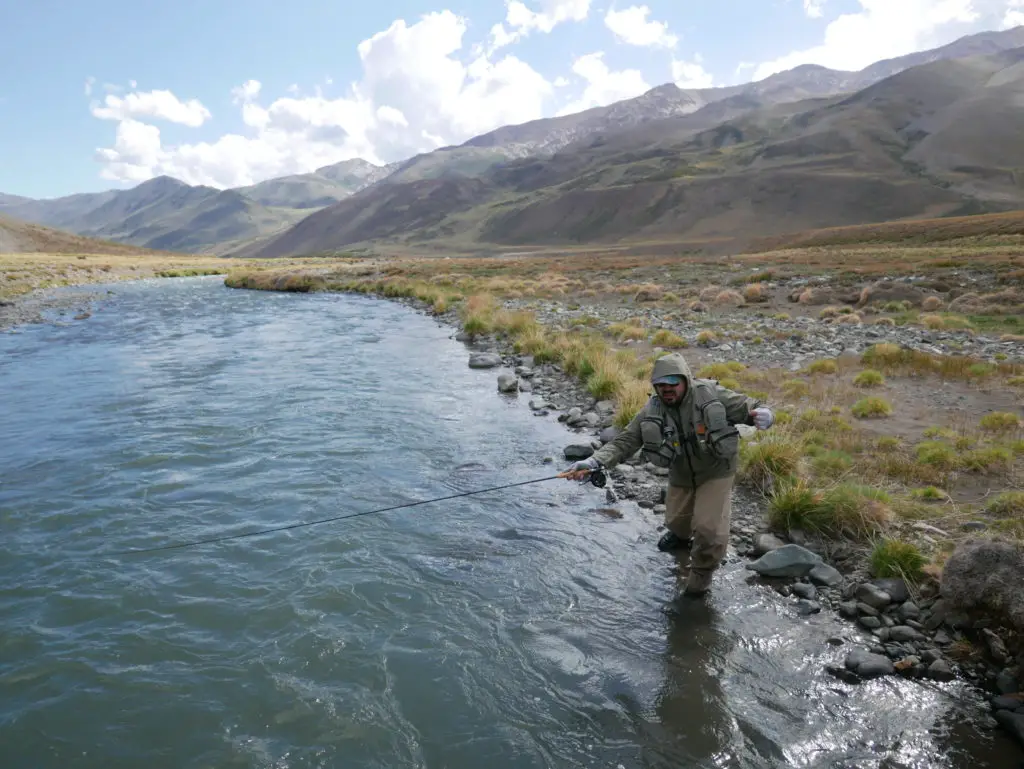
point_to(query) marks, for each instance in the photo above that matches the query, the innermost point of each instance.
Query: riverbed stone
(904, 634)
(823, 574)
(873, 596)
(806, 607)
(1012, 723)
(940, 670)
(868, 665)
(805, 590)
(871, 623)
(786, 561)
(577, 451)
(908, 610)
(896, 589)
(484, 360)
(1006, 682)
(766, 542)
(996, 647)
(508, 383)
(1005, 702)
(848, 609)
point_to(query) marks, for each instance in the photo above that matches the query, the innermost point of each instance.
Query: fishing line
(596, 477)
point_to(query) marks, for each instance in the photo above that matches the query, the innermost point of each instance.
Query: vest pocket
(657, 447)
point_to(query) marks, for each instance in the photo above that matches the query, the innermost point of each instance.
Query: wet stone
(940, 670)
(873, 596)
(902, 633)
(908, 610)
(1006, 682)
(867, 610)
(1003, 702)
(848, 609)
(871, 623)
(1013, 723)
(805, 590)
(786, 561)
(765, 543)
(896, 589)
(805, 607)
(868, 665)
(823, 574)
(578, 451)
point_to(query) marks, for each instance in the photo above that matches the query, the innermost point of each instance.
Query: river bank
(896, 627)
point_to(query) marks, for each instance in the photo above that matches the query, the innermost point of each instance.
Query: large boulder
(986, 574)
(786, 561)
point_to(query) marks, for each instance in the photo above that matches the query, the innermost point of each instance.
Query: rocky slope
(934, 140)
(200, 219)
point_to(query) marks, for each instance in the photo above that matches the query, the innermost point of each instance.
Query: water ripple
(518, 628)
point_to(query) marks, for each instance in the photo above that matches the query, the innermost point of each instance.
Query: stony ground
(908, 630)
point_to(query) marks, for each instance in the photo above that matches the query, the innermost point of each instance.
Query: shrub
(706, 338)
(934, 322)
(936, 454)
(666, 338)
(795, 388)
(823, 367)
(869, 378)
(895, 558)
(773, 456)
(630, 397)
(871, 408)
(931, 303)
(1006, 505)
(930, 494)
(1000, 422)
(754, 292)
(729, 297)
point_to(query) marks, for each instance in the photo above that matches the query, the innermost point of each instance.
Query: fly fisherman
(688, 426)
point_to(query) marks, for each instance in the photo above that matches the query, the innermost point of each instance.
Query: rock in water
(507, 383)
(484, 360)
(786, 561)
(1013, 723)
(868, 665)
(578, 451)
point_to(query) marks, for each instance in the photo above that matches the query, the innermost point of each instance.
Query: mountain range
(935, 133)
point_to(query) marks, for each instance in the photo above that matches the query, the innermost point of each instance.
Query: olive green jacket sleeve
(737, 405)
(623, 446)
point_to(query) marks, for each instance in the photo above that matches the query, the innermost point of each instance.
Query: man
(688, 426)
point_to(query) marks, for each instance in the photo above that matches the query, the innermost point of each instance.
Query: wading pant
(703, 513)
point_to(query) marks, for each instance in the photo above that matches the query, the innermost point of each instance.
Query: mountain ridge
(170, 213)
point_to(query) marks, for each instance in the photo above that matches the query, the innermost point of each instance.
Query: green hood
(672, 364)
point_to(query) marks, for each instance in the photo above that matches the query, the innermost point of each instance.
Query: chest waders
(710, 435)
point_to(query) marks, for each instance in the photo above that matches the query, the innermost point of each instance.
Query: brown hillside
(919, 231)
(17, 237)
(382, 211)
(914, 146)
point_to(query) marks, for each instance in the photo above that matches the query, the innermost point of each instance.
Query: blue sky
(109, 93)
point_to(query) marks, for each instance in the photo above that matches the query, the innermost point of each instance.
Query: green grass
(871, 408)
(869, 378)
(896, 558)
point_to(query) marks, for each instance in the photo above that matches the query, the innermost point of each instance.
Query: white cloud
(884, 29)
(632, 27)
(1014, 16)
(814, 8)
(162, 105)
(521, 20)
(415, 95)
(603, 86)
(691, 74)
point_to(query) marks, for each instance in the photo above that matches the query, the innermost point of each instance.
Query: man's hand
(581, 470)
(763, 418)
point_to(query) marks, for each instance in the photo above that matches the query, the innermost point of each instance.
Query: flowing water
(518, 628)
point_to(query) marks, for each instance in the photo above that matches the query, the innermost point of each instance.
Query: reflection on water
(532, 627)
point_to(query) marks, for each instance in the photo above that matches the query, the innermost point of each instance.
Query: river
(518, 628)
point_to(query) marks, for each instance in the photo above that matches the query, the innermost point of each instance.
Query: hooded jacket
(695, 439)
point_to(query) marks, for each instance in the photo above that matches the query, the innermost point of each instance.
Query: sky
(110, 93)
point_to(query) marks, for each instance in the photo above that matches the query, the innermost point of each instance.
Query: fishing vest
(713, 434)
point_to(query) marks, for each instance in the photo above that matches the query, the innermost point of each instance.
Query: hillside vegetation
(924, 135)
(913, 146)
